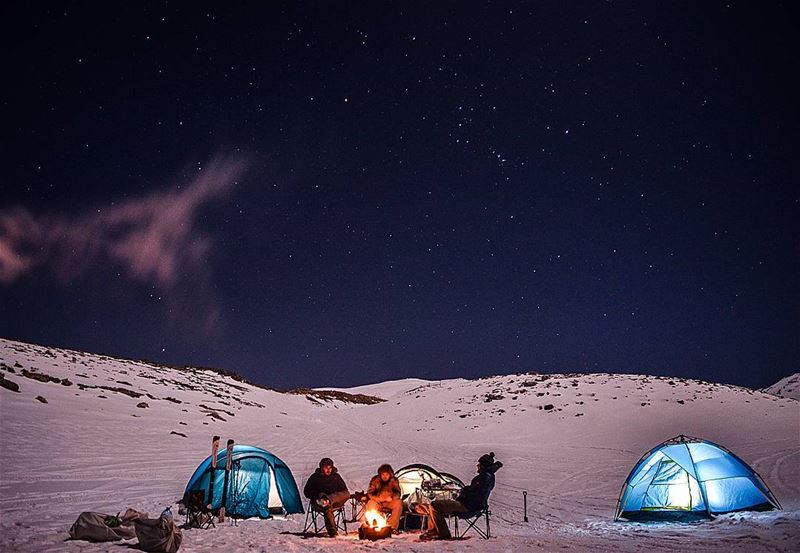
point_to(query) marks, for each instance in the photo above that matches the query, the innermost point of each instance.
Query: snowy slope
(91, 448)
(788, 387)
(389, 389)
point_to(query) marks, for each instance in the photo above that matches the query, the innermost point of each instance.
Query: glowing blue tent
(258, 484)
(688, 477)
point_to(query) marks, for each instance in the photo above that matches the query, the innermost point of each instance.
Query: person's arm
(483, 483)
(469, 487)
(463, 495)
(310, 488)
(373, 486)
(340, 485)
(396, 491)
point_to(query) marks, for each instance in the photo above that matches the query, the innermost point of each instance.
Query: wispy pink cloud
(154, 239)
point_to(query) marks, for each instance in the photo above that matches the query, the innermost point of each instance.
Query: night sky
(319, 194)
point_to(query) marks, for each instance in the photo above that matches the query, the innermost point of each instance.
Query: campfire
(374, 526)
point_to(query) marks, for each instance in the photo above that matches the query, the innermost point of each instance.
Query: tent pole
(699, 483)
(619, 500)
(625, 484)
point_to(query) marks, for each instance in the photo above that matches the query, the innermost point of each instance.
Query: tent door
(670, 489)
(274, 497)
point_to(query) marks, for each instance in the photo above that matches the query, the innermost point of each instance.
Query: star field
(372, 191)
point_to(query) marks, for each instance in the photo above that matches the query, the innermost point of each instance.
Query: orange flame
(375, 519)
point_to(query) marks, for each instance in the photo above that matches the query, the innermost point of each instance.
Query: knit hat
(486, 460)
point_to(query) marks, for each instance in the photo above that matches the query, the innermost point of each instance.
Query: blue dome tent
(258, 484)
(686, 478)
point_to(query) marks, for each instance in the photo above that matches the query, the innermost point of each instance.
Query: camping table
(426, 494)
(431, 491)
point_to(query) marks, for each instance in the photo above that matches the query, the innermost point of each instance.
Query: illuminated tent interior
(686, 478)
(259, 484)
(412, 476)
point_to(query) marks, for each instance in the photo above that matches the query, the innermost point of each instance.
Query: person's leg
(441, 508)
(371, 505)
(330, 521)
(396, 505)
(336, 499)
(437, 520)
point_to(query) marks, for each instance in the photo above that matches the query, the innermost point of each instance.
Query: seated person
(470, 499)
(327, 492)
(384, 494)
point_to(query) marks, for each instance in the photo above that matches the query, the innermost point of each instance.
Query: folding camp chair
(197, 514)
(473, 520)
(315, 518)
(356, 507)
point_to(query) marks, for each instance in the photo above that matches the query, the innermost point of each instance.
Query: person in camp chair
(471, 498)
(384, 495)
(327, 492)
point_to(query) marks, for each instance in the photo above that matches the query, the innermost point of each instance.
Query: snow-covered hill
(89, 432)
(788, 387)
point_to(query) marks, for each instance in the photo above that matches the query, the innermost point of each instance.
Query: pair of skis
(212, 479)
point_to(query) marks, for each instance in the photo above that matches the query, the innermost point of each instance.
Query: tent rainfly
(687, 477)
(259, 484)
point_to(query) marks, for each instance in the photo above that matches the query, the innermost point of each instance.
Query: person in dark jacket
(327, 492)
(384, 494)
(471, 498)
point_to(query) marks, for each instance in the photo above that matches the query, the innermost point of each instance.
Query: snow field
(569, 440)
